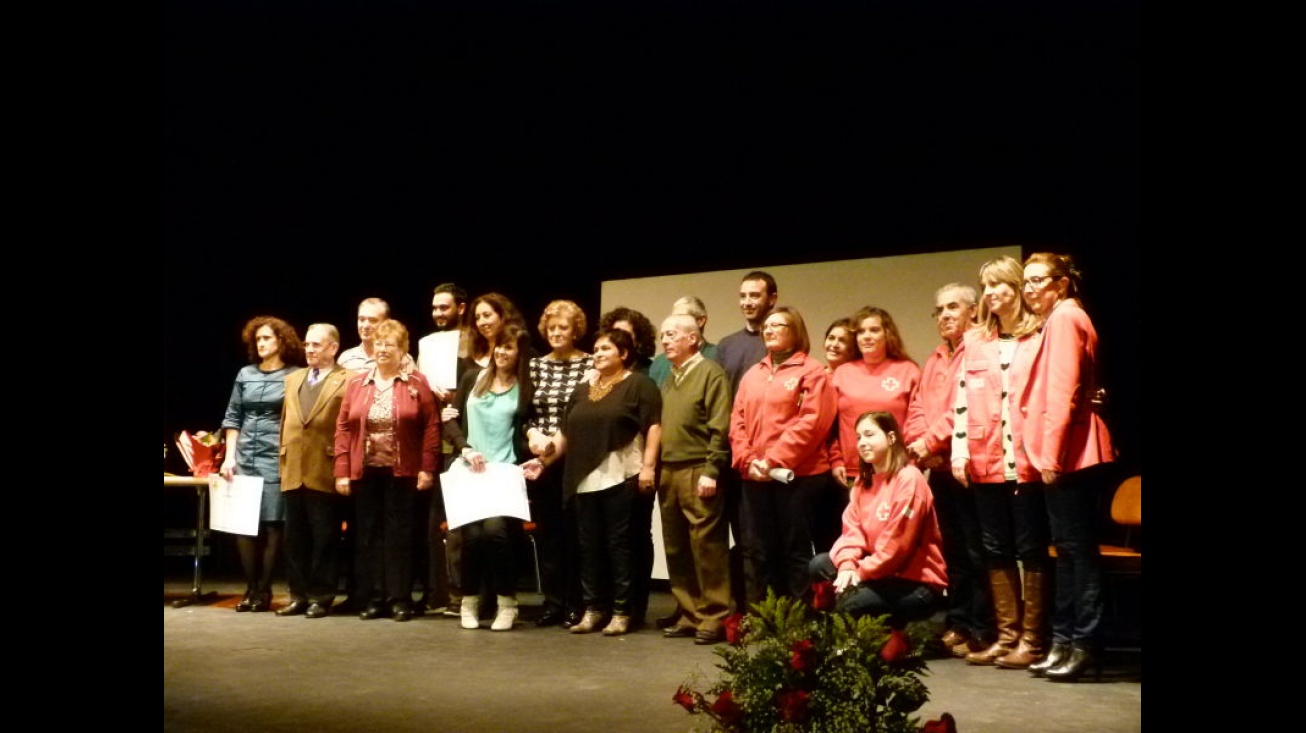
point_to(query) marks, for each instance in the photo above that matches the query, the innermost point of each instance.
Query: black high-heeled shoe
(1080, 660)
(246, 602)
(1059, 653)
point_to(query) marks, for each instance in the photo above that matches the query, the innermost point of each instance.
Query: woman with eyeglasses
(387, 449)
(779, 428)
(1068, 443)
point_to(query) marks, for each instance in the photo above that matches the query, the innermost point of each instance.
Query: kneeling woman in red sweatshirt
(889, 558)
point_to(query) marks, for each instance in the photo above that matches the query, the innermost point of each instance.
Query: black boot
(1075, 665)
(1059, 653)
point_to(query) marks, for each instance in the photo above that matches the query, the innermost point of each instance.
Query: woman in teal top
(253, 436)
(489, 414)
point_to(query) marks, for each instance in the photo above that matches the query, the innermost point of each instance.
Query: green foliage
(791, 669)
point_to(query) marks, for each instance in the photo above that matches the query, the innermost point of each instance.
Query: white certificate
(498, 491)
(234, 506)
(437, 358)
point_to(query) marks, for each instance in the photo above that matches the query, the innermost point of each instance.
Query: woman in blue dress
(253, 435)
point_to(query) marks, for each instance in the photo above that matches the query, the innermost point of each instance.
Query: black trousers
(777, 535)
(970, 604)
(385, 506)
(313, 544)
(607, 547)
(556, 539)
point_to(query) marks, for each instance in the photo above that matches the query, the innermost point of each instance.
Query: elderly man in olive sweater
(696, 401)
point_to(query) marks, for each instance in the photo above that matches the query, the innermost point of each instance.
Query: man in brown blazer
(313, 509)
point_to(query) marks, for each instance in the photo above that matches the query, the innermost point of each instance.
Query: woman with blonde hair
(554, 376)
(989, 456)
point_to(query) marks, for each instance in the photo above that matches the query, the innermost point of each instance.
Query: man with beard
(737, 353)
(438, 556)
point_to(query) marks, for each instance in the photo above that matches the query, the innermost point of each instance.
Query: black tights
(259, 555)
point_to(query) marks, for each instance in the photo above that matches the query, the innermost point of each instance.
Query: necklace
(599, 390)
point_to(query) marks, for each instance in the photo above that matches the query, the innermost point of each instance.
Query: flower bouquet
(791, 668)
(203, 451)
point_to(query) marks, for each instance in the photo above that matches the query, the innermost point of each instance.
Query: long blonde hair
(1007, 271)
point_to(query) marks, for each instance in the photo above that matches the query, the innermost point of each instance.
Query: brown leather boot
(1033, 646)
(1005, 585)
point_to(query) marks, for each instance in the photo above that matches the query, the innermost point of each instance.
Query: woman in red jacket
(778, 429)
(889, 559)
(989, 456)
(1067, 441)
(387, 449)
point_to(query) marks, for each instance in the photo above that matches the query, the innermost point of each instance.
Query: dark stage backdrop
(319, 153)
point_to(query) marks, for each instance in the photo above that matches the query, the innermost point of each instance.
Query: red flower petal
(684, 699)
(896, 647)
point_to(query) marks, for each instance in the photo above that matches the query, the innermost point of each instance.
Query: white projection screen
(903, 285)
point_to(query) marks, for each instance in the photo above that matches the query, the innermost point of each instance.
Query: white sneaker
(470, 612)
(506, 615)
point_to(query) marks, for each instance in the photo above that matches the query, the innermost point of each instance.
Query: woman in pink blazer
(1065, 438)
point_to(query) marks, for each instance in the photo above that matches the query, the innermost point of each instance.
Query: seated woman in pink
(889, 559)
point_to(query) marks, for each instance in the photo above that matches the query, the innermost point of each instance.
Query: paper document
(437, 358)
(234, 506)
(498, 491)
(783, 475)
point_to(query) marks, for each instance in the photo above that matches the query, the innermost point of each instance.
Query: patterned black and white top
(554, 381)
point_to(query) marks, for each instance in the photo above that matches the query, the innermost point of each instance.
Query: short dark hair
(621, 339)
(646, 336)
(771, 288)
(459, 295)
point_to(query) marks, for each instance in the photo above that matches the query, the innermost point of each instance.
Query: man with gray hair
(690, 305)
(313, 508)
(928, 433)
(696, 401)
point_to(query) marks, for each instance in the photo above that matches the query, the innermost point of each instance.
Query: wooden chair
(1122, 563)
(1122, 559)
(1127, 512)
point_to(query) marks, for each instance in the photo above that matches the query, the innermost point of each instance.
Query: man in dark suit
(313, 508)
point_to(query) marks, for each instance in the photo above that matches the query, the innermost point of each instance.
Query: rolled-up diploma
(783, 475)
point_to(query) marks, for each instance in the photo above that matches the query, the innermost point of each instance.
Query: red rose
(945, 724)
(793, 705)
(895, 648)
(726, 709)
(803, 657)
(684, 698)
(734, 630)
(823, 595)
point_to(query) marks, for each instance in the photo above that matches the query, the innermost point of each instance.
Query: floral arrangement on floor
(789, 668)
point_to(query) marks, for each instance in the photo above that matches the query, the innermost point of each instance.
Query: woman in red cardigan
(387, 449)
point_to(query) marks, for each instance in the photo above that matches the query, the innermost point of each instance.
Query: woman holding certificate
(253, 433)
(491, 405)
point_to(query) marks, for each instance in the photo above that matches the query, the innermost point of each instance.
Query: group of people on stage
(912, 489)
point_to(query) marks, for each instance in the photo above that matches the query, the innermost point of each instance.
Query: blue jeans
(1074, 511)
(903, 600)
